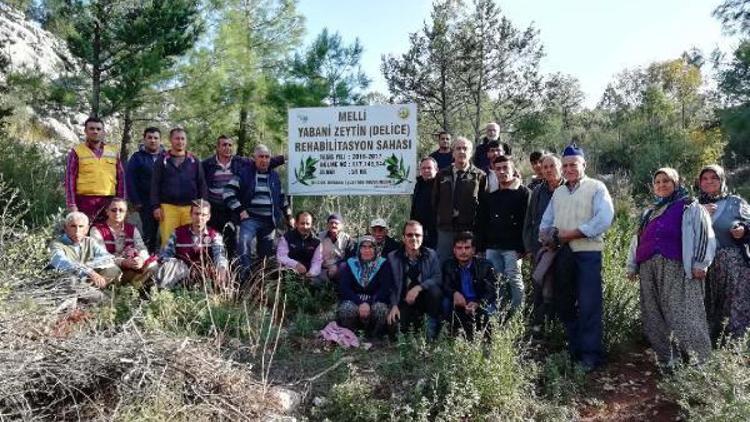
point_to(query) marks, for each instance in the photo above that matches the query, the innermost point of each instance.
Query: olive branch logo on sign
(396, 169)
(306, 170)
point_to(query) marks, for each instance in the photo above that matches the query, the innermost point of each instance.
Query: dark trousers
(542, 311)
(222, 221)
(149, 228)
(479, 322)
(584, 324)
(430, 237)
(428, 302)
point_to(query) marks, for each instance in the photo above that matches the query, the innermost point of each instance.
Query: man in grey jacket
(417, 279)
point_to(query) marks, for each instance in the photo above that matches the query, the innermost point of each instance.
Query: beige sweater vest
(575, 208)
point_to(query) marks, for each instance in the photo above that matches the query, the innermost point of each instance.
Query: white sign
(353, 150)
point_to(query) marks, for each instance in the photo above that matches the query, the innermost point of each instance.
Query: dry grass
(119, 375)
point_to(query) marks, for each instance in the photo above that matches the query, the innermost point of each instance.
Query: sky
(592, 40)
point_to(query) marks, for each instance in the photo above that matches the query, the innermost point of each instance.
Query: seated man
(300, 250)
(364, 290)
(123, 240)
(384, 243)
(471, 283)
(84, 259)
(194, 252)
(335, 247)
(416, 283)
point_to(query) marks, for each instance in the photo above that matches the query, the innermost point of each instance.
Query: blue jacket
(211, 165)
(177, 185)
(238, 193)
(139, 170)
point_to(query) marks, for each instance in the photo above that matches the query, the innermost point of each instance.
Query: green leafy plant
(306, 170)
(396, 169)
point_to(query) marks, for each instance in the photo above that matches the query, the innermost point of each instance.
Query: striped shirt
(261, 204)
(218, 180)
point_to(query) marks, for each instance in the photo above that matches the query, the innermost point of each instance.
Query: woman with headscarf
(728, 280)
(364, 289)
(670, 254)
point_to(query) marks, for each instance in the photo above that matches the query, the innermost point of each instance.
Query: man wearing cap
(384, 244)
(255, 196)
(335, 245)
(456, 197)
(421, 201)
(580, 211)
(492, 133)
(300, 250)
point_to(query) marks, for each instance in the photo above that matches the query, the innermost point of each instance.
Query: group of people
(472, 221)
(186, 207)
(558, 219)
(693, 261)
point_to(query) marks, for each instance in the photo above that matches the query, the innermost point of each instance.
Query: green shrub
(36, 176)
(621, 312)
(718, 390)
(353, 400)
(454, 379)
(300, 297)
(560, 379)
(187, 312)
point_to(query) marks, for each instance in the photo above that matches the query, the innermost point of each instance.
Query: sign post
(353, 150)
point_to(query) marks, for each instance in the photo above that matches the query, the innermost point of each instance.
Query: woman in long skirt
(728, 280)
(670, 254)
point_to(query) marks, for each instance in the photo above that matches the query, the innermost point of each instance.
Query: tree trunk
(127, 129)
(242, 131)
(444, 96)
(96, 70)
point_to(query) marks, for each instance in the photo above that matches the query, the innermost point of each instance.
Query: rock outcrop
(31, 48)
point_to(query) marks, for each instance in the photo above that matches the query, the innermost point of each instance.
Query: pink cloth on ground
(340, 335)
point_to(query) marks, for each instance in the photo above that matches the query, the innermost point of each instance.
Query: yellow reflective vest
(96, 176)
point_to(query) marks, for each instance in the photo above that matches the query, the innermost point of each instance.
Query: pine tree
(125, 44)
(427, 73)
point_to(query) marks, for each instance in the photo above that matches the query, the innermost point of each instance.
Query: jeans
(250, 229)
(507, 263)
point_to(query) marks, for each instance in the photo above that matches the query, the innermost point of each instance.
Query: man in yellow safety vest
(93, 173)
